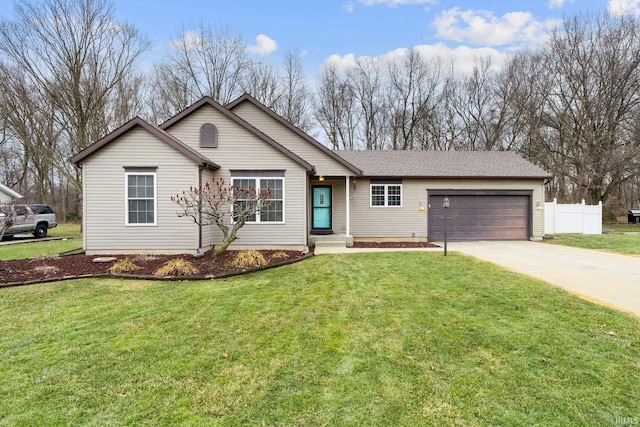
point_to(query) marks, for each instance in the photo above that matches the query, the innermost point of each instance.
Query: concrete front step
(331, 240)
(331, 244)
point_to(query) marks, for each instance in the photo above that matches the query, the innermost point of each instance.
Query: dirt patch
(35, 270)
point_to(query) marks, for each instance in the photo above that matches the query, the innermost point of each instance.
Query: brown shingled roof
(443, 164)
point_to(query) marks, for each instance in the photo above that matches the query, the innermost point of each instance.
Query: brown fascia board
(240, 121)
(294, 129)
(154, 130)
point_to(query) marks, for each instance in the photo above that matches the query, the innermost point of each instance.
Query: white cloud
(481, 27)
(557, 4)
(349, 7)
(264, 45)
(624, 7)
(396, 3)
(190, 40)
(461, 58)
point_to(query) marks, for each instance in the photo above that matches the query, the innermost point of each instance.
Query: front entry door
(321, 211)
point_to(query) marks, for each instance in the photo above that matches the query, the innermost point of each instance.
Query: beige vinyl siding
(408, 221)
(209, 232)
(389, 221)
(105, 198)
(239, 149)
(293, 233)
(325, 165)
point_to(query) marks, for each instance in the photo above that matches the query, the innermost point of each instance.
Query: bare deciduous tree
(335, 108)
(73, 56)
(226, 206)
(481, 110)
(263, 83)
(209, 62)
(367, 82)
(583, 104)
(414, 85)
(294, 99)
(33, 126)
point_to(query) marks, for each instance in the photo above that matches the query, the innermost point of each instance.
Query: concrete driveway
(603, 277)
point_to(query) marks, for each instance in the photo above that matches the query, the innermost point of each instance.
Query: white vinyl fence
(578, 218)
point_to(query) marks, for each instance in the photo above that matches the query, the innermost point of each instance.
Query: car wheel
(40, 231)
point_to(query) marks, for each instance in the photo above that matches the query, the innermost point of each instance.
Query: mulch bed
(53, 268)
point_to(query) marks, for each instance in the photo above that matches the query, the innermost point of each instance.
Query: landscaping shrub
(176, 267)
(47, 269)
(123, 266)
(609, 216)
(248, 259)
(280, 255)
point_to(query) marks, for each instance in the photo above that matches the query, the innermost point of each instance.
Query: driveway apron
(603, 277)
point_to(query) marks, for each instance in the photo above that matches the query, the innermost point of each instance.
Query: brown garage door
(480, 217)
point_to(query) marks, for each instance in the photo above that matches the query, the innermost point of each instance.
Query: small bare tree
(228, 207)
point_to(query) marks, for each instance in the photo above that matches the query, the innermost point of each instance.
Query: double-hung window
(141, 198)
(386, 194)
(271, 212)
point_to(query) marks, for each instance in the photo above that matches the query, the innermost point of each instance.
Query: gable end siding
(324, 164)
(104, 197)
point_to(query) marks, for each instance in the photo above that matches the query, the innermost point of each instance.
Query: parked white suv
(32, 218)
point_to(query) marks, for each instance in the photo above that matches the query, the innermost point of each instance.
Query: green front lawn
(36, 248)
(623, 244)
(403, 338)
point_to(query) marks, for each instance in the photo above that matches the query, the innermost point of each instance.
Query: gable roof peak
(207, 100)
(164, 136)
(248, 98)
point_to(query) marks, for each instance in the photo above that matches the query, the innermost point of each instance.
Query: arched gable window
(208, 136)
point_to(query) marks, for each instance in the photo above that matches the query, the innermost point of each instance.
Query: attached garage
(494, 195)
(481, 215)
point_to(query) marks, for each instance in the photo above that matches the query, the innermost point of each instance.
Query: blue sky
(342, 29)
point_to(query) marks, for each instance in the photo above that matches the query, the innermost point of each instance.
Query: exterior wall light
(321, 178)
(539, 205)
(421, 206)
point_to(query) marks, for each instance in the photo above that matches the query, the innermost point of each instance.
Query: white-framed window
(141, 201)
(386, 195)
(273, 212)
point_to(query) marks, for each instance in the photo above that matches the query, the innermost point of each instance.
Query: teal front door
(321, 212)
